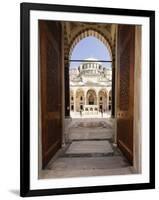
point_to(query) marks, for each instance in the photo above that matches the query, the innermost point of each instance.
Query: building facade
(90, 87)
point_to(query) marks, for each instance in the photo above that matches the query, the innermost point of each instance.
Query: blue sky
(89, 47)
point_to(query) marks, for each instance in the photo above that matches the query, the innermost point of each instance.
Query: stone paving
(90, 147)
(89, 153)
(89, 129)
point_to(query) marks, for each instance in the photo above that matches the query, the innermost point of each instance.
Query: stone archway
(76, 31)
(90, 32)
(102, 99)
(91, 97)
(80, 99)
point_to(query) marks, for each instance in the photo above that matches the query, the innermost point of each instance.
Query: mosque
(90, 87)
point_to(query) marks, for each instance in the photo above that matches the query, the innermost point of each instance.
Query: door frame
(137, 125)
(136, 167)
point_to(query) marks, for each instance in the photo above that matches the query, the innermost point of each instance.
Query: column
(74, 99)
(107, 101)
(67, 91)
(98, 99)
(85, 98)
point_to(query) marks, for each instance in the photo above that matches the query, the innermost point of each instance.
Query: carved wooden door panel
(50, 85)
(125, 96)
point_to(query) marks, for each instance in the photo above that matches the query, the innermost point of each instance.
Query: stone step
(73, 155)
(89, 147)
(67, 173)
(94, 163)
(78, 134)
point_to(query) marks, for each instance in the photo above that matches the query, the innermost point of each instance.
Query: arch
(91, 97)
(103, 92)
(86, 33)
(79, 92)
(79, 99)
(102, 99)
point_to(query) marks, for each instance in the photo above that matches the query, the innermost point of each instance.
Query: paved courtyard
(90, 152)
(82, 115)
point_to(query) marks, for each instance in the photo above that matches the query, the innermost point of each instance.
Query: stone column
(67, 91)
(85, 98)
(113, 89)
(113, 76)
(107, 103)
(97, 99)
(74, 99)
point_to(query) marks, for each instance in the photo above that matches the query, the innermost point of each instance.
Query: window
(72, 98)
(100, 98)
(72, 107)
(81, 98)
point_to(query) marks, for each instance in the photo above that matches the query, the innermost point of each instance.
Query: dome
(92, 59)
(91, 71)
(90, 66)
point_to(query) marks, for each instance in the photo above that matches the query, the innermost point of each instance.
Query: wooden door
(125, 91)
(50, 84)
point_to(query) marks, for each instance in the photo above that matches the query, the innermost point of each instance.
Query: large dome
(90, 66)
(91, 71)
(91, 59)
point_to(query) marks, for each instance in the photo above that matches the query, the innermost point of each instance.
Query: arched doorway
(105, 39)
(79, 100)
(91, 97)
(102, 99)
(82, 33)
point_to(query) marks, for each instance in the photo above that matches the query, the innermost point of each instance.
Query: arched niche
(102, 99)
(91, 97)
(79, 99)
